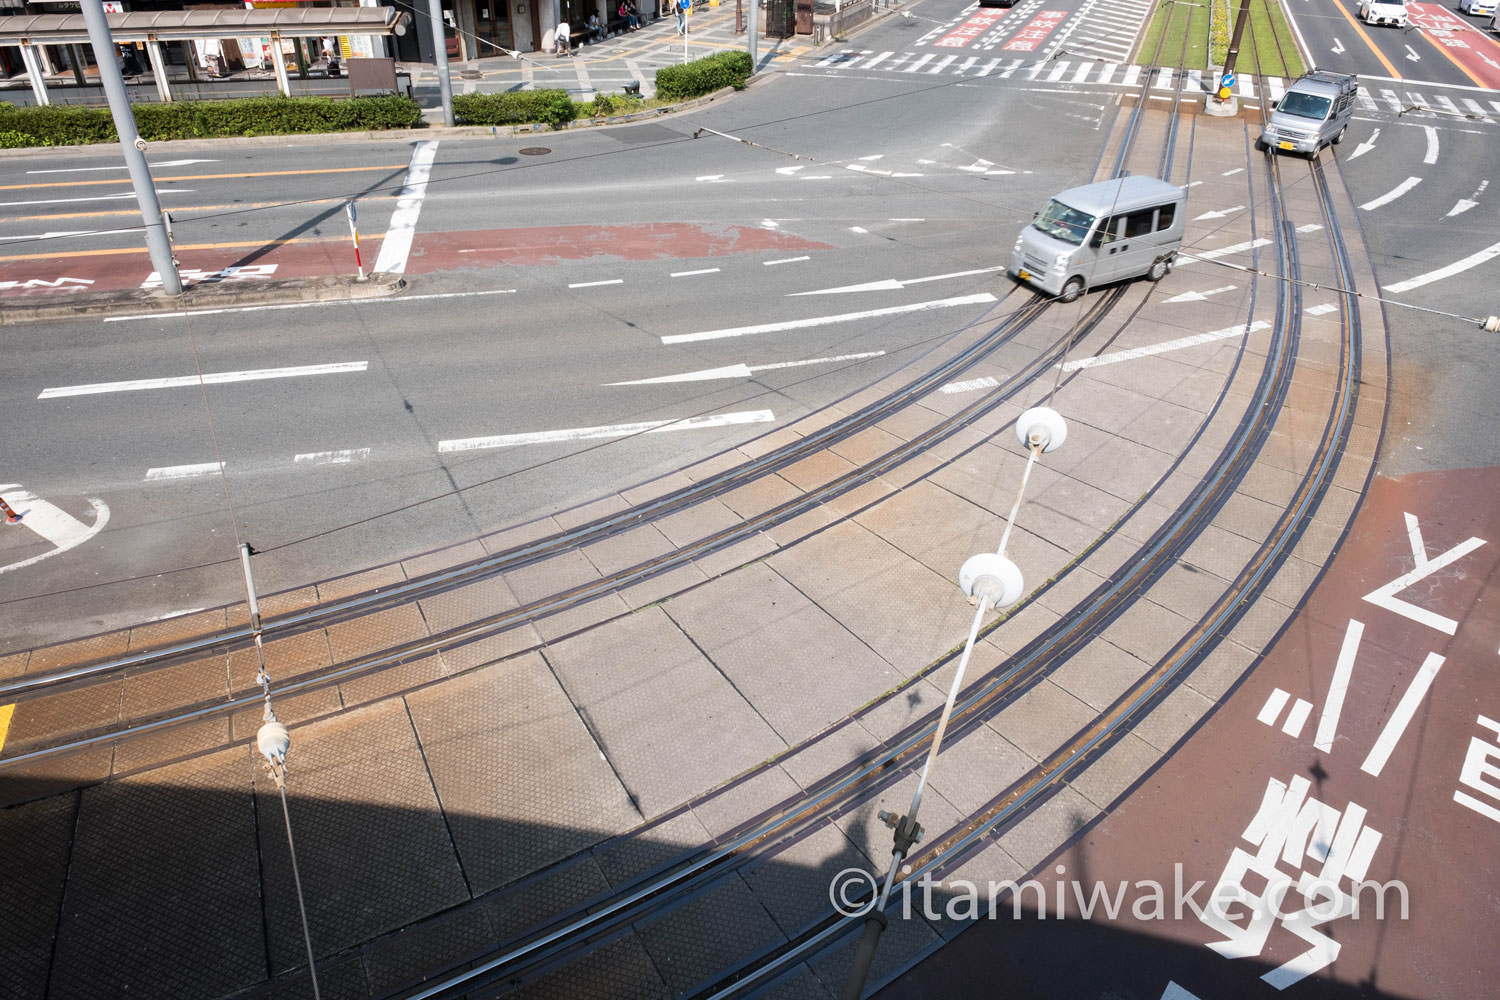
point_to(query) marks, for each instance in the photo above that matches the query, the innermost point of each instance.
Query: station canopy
(180, 25)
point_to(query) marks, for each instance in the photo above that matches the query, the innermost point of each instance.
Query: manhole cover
(470, 74)
(535, 151)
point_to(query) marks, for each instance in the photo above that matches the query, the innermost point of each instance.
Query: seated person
(596, 30)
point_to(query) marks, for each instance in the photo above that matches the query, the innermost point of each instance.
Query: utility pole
(440, 57)
(132, 145)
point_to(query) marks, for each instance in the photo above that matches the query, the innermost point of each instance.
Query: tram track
(605, 919)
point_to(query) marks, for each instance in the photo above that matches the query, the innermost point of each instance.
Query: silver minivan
(1312, 114)
(1112, 230)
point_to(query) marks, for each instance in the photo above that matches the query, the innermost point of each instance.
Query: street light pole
(132, 145)
(440, 58)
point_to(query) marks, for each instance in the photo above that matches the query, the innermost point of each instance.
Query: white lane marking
(54, 525)
(712, 179)
(1222, 214)
(1392, 194)
(207, 378)
(1200, 296)
(596, 284)
(1461, 206)
(85, 170)
(184, 471)
(689, 274)
(859, 230)
(1457, 267)
(1170, 345)
(396, 247)
(1275, 701)
(1188, 258)
(341, 303)
(1396, 725)
(1365, 146)
(784, 260)
(969, 385)
(1432, 145)
(891, 284)
(745, 371)
(344, 457)
(1296, 718)
(1321, 310)
(1343, 670)
(103, 197)
(1175, 992)
(802, 324)
(616, 430)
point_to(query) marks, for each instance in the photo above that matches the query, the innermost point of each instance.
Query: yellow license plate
(1285, 145)
(1024, 274)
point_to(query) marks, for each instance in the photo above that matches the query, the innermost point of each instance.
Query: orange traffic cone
(11, 517)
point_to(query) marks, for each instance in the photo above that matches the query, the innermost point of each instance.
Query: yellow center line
(6, 711)
(1359, 30)
(204, 177)
(186, 246)
(180, 209)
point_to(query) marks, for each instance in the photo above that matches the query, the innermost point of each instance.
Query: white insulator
(991, 575)
(274, 741)
(1043, 425)
(1492, 324)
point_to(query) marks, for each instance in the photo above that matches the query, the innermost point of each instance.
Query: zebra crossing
(1390, 100)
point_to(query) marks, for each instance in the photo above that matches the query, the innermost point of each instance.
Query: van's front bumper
(1291, 142)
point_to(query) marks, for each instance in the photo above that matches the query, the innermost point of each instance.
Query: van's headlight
(1061, 259)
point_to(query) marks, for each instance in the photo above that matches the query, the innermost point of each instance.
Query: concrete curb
(207, 297)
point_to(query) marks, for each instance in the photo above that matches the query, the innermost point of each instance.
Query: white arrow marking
(617, 430)
(1432, 146)
(56, 526)
(854, 317)
(207, 378)
(1220, 215)
(712, 179)
(1170, 345)
(83, 170)
(1460, 207)
(1412, 54)
(1188, 258)
(1338, 46)
(1473, 260)
(1423, 567)
(1200, 296)
(1365, 146)
(745, 371)
(891, 284)
(1392, 194)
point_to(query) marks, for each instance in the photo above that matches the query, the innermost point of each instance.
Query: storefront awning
(179, 25)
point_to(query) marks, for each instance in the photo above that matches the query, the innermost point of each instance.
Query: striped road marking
(208, 378)
(61, 529)
(614, 431)
(396, 246)
(1170, 345)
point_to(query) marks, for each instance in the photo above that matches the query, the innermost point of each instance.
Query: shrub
(703, 76)
(521, 107)
(63, 125)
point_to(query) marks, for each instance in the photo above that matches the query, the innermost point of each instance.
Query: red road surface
(1249, 801)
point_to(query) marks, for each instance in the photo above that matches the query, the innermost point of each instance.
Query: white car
(1477, 7)
(1392, 12)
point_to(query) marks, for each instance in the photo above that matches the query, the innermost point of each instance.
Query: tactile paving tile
(520, 778)
(372, 847)
(69, 654)
(412, 955)
(33, 868)
(620, 970)
(695, 943)
(163, 872)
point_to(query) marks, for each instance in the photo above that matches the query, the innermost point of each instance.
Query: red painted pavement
(1470, 46)
(67, 274)
(1430, 818)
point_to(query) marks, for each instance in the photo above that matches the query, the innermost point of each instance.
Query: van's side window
(1139, 223)
(1165, 217)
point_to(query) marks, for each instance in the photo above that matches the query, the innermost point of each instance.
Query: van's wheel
(1158, 269)
(1071, 289)
(1260, 146)
(1340, 137)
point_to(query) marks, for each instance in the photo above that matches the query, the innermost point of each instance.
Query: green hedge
(703, 76)
(520, 107)
(65, 125)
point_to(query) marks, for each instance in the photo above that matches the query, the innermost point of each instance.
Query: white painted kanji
(192, 275)
(1481, 772)
(1288, 829)
(1423, 567)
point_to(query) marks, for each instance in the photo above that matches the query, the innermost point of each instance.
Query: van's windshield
(1063, 223)
(1305, 105)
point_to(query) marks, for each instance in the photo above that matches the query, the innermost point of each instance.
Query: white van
(1109, 231)
(1392, 12)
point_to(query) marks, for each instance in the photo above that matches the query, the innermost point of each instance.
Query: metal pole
(132, 145)
(1232, 55)
(440, 57)
(754, 35)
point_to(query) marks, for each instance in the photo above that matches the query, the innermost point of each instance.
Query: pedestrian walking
(564, 46)
(682, 9)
